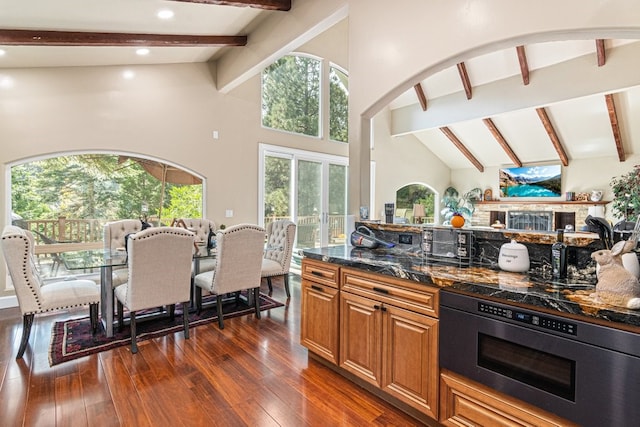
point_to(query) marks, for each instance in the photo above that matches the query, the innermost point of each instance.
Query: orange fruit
(457, 221)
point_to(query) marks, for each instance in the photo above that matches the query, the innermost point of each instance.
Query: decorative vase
(457, 221)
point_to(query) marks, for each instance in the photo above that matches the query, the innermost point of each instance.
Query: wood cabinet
(465, 402)
(319, 324)
(387, 338)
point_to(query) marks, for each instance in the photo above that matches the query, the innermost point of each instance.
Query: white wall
(400, 161)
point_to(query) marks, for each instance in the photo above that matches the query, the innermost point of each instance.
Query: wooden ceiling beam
(615, 128)
(421, 96)
(283, 5)
(600, 52)
(464, 76)
(503, 142)
(460, 146)
(524, 66)
(78, 38)
(548, 126)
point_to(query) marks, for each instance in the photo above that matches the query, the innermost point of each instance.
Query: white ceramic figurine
(616, 285)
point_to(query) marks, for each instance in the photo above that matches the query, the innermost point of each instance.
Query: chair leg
(27, 321)
(270, 285)
(256, 297)
(286, 285)
(219, 306)
(120, 316)
(172, 312)
(93, 314)
(185, 319)
(134, 339)
(198, 296)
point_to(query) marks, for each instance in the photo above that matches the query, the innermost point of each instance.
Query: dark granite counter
(571, 297)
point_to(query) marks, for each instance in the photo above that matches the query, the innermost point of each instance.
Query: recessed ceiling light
(2, 52)
(165, 14)
(142, 51)
(128, 74)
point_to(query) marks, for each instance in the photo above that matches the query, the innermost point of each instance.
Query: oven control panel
(538, 320)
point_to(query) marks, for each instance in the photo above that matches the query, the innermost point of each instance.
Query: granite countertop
(569, 297)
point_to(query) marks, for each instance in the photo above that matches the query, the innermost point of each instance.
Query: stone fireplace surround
(562, 213)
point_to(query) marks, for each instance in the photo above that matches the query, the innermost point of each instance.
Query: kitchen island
(378, 316)
(570, 297)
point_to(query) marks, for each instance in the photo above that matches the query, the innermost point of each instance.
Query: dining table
(106, 260)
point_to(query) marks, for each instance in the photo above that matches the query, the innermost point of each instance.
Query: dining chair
(238, 266)
(278, 252)
(201, 227)
(36, 296)
(114, 238)
(159, 265)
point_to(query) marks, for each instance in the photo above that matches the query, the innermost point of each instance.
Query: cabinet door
(360, 338)
(319, 320)
(410, 362)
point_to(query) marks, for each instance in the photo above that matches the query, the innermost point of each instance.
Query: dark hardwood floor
(252, 373)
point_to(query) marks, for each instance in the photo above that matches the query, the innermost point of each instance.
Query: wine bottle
(559, 256)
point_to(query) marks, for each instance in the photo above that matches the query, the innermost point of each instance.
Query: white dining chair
(34, 296)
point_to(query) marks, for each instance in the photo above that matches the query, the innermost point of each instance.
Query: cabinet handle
(316, 288)
(376, 307)
(317, 273)
(383, 308)
(380, 290)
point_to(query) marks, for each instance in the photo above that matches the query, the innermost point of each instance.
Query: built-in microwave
(448, 244)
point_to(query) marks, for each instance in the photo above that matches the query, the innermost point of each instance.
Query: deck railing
(308, 229)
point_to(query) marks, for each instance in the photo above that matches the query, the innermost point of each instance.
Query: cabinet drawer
(464, 402)
(321, 272)
(406, 294)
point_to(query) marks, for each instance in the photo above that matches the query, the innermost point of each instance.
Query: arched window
(292, 99)
(291, 95)
(338, 105)
(69, 198)
(411, 195)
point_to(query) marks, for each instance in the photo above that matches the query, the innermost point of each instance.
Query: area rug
(71, 339)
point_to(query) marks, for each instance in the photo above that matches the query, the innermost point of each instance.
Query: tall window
(291, 95)
(308, 188)
(338, 105)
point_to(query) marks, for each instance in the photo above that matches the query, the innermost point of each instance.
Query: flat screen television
(531, 181)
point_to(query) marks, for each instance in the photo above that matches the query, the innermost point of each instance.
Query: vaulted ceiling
(545, 103)
(45, 33)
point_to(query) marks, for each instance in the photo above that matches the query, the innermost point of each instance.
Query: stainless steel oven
(586, 373)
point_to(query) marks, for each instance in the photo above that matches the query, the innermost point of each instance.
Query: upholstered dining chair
(34, 295)
(201, 227)
(238, 266)
(114, 236)
(278, 252)
(159, 265)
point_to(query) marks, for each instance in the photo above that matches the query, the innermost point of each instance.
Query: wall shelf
(542, 202)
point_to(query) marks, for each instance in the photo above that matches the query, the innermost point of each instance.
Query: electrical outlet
(228, 213)
(405, 238)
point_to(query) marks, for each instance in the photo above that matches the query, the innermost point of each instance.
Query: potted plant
(626, 194)
(456, 205)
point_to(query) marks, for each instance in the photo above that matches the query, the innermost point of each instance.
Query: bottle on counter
(559, 257)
